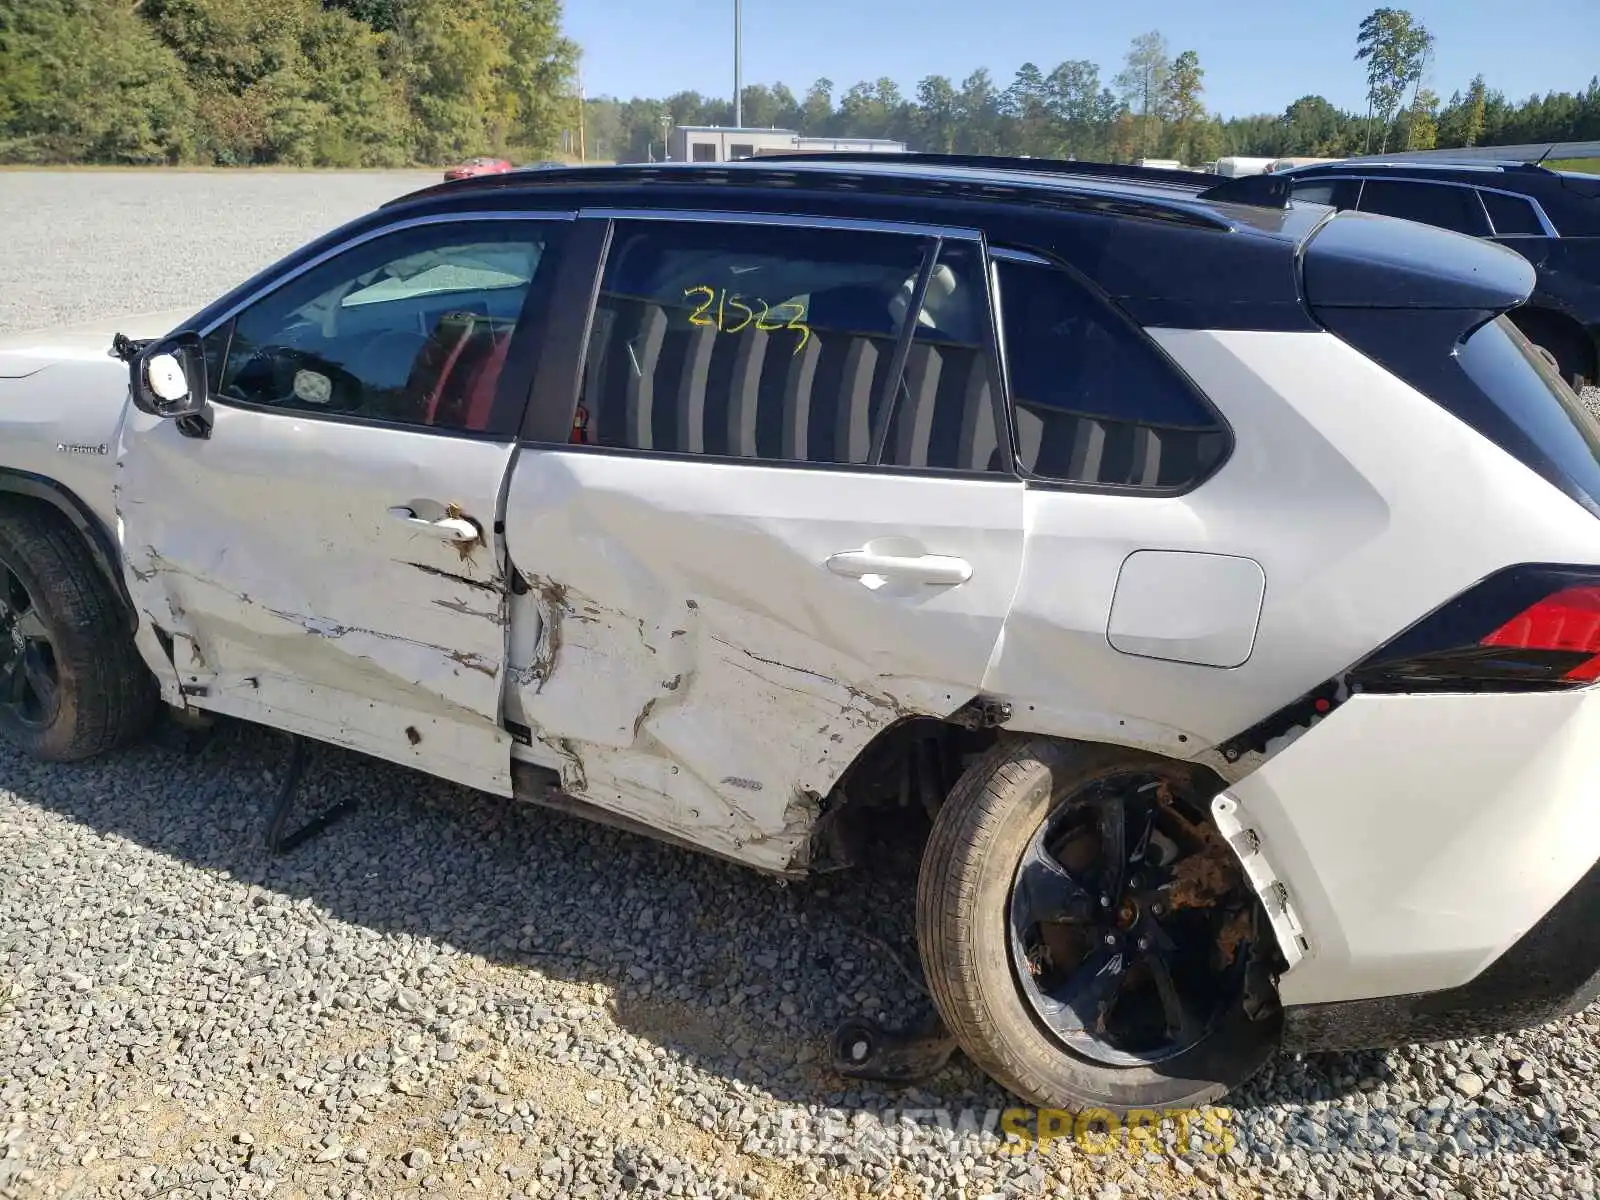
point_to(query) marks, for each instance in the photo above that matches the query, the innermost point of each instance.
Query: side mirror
(169, 377)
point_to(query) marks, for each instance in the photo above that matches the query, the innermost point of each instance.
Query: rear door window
(1446, 206)
(945, 412)
(787, 343)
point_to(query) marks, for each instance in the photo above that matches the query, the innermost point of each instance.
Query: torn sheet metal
(269, 560)
(696, 666)
(679, 724)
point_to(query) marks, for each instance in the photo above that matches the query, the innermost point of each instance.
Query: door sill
(542, 786)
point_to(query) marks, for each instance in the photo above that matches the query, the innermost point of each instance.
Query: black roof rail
(1257, 191)
(1005, 162)
(789, 174)
(1441, 162)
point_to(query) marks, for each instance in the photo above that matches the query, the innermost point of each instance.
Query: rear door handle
(446, 529)
(918, 568)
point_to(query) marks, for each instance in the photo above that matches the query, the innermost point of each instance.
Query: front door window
(412, 328)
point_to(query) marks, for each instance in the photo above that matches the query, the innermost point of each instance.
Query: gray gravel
(451, 995)
(447, 988)
(1591, 400)
(77, 246)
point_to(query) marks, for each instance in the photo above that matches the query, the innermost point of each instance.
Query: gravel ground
(82, 245)
(455, 996)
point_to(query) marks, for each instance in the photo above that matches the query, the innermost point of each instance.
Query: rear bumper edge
(1552, 971)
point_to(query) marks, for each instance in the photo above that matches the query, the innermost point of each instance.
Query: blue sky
(1258, 54)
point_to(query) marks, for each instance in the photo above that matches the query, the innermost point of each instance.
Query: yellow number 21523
(729, 312)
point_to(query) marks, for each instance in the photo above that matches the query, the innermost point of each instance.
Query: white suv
(1221, 578)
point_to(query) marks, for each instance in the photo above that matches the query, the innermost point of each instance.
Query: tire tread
(113, 694)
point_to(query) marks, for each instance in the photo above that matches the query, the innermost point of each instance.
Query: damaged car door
(321, 552)
(776, 517)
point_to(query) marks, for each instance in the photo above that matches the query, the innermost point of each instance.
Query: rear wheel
(1087, 935)
(71, 683)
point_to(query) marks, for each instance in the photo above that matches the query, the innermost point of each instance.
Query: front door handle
(916, 568)
(446, 529)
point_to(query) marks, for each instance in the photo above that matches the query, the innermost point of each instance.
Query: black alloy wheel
(29, 678)
(1127, 918)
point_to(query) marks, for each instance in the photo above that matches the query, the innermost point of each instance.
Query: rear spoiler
(1361, 260)
(1258, 191)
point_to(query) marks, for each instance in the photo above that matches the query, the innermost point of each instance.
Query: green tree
(978, 114)
(1472, 129)
(1142, 84)
(937, 114)
(87, 80)
(1395, 47)
(816, 113)
(1184, 110)
(1081, 109)
(1422, 128)
(1026, 112)
(538, 72)
(1312, 126)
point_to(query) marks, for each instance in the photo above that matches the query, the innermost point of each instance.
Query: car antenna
(1540, 160)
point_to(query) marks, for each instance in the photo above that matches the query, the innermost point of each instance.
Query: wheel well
(892, 789)
(890, 794)
(23, 488)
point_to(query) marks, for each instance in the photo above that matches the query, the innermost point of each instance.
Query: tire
(964, 898)
(103, 697)
(1564, 342)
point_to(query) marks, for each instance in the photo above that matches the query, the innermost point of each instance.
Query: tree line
(1153, 107)
(343, 83)
(378, 83)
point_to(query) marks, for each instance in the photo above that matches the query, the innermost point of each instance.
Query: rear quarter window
(1094, 402)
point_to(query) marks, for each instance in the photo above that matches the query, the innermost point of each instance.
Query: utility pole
(583, 149)
(738, 70)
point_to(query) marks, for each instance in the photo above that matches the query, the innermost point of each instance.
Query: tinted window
(1448, 207)
(703, 152)
(750, 341)
(944, 413)
(1095, 401)
(1523, 385)
(1337, 193)
(412, 328)
(1511, 215)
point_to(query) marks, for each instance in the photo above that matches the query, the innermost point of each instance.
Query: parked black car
(1551, 218)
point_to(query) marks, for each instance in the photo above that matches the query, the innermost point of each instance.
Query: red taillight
(1534, 626)
(1568, 620)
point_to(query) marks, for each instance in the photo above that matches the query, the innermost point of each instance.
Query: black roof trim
(1259, 191)
(1481, 165)
(1005, 162)
(1177, 208)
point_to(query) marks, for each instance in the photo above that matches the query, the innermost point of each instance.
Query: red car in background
(478, 166)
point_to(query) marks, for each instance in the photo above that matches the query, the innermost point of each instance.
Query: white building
(722, 143)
